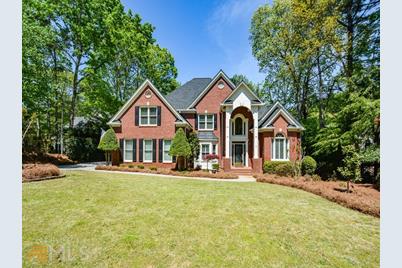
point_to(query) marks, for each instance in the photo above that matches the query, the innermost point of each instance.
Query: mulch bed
(363, 198)
(36, 172)
(203, 174)
(44, 178)
(46, 158)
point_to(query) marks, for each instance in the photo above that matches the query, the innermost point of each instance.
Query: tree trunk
(320, 92)
(75, 92)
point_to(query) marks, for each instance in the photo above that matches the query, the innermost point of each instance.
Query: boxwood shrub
(270, 166)
(284, 169)
(309, 165)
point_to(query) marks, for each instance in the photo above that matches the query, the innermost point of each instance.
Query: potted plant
(210, 157)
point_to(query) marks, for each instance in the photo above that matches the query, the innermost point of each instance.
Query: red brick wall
(129, 130)
(280, 125)
(211, 103)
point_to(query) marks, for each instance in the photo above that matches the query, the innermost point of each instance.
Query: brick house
(231, 122)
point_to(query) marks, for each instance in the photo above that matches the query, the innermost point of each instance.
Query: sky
(203, 36)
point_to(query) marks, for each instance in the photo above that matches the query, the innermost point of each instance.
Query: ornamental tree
(108, 143)
(180, 148)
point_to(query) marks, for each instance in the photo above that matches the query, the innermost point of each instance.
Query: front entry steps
(241, 170)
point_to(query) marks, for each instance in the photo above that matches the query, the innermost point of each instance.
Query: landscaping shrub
(215, 166)
(140, 166)
(272, 166)
(284, 169)
(153, 168)
(36, 171)
(309, 165)
(131, 166)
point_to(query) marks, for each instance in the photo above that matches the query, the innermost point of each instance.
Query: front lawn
(100, 219)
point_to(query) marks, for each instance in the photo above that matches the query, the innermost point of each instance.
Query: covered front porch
(241, 144)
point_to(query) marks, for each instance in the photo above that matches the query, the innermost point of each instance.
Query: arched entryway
(241, 122)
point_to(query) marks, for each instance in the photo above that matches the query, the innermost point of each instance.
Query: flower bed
(363, 198)
(203, 174)
(35, 172)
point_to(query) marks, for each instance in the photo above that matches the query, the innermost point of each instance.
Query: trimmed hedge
(271, 166)
(309, 165)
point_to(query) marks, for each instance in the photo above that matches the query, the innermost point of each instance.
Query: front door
(238, 154)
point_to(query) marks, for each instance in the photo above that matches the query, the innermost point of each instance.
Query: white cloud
(229, 27)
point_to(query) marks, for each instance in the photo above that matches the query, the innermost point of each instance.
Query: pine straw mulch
(38, 172)
(363, 198)
(165, 171)
(46, 158)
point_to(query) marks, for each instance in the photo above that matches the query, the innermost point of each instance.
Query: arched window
(239, 126)
(280, 148)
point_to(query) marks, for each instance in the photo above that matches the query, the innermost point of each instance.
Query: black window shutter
(215, 121)
(174, 159)
(136, 114)
(121, 149)
(134, 150)
(154, 150)
(160, 151)
(159, 116)
(196, 122)
(140, 154)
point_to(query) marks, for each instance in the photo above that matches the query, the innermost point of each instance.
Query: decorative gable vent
(148, 94)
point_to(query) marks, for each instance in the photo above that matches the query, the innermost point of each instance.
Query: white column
(256, 151)
(227, 132)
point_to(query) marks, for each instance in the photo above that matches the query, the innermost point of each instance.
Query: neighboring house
(231, 122)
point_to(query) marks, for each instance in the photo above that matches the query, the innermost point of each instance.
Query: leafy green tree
(108, 144)
(195, 147)
(350, 168)
(180, 148)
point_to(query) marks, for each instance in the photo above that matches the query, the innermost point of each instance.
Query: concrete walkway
(91, 167)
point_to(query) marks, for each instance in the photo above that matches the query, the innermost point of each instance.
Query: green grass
(104, 219)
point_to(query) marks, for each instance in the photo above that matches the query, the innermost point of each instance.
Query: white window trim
(245, 126)
(163, 152)
(124, 152)
(206, 115)
(210, 149)
(148, 116)
(287, 153)
(143, 151)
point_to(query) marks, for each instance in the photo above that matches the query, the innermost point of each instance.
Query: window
(148, 150)
(166, 149)
(128, 150)
(205, 121)
(280, 148)
(205, 150)
(148, 116)
(214, 148)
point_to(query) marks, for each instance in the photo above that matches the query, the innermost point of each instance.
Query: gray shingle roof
(183, 96)
(206, 135)
(272, 114)
(262, 111)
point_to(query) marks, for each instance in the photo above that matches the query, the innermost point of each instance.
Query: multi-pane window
(128, 150)
(205, 150)
(166, 149)
(280, 148)
(206, 121)
(148, 116)
(148, 150)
